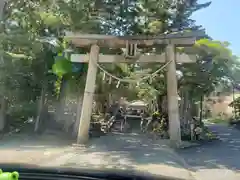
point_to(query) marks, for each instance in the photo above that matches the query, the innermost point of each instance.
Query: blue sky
(221, 21)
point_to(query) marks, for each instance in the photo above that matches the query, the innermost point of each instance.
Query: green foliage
(62, 67)
(214, 62)
(236, 105)
(217, 120)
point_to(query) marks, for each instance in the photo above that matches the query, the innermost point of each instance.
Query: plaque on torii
(131, 43)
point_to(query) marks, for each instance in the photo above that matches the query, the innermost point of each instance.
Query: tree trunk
(40, 109)
(194, 109)
(78, 116)
(162, 103)
(100, 100)
(3, 111)
(61, 101)
(201, 109)
(159, 102)
(187, 110)
(3, 100)
(182, 107)
(2, 6)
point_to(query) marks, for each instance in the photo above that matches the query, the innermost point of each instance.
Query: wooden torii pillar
(97, 41)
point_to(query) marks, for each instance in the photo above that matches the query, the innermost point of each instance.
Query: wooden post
(173, 108)
(88, 96)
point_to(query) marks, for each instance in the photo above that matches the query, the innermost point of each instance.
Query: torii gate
(131, 43)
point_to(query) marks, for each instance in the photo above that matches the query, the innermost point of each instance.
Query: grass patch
(217, 120)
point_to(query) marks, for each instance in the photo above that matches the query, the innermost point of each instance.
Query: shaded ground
(124, 151)
(218, 159)
(27, 149)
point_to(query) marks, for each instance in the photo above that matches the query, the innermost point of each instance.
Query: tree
(27, 55)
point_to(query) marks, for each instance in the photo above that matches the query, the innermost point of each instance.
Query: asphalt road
(216, 159)
(132, 152)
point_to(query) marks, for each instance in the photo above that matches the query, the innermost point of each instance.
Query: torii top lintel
(178, 39)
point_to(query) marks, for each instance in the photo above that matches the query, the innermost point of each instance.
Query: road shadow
(217, 154)
(115, 151)
(33, 142)
(131, 150)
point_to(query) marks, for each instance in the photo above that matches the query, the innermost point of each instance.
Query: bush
(217, 120)
(236, 105)
(19, 113)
